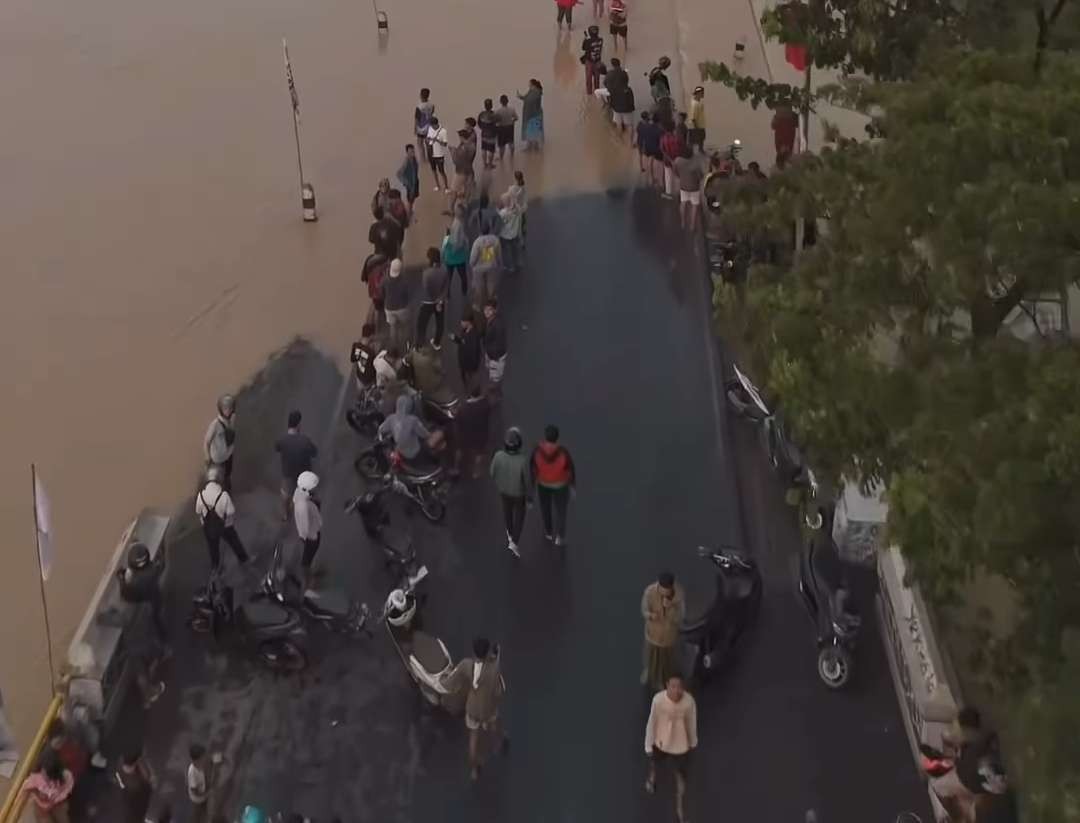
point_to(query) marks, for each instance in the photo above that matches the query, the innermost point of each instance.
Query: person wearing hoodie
(408, 431)
(485, 263)
(513, 480)
(219, 443)
(555, 478)
(484, 219)
(396, 295)
(494, 346)
(455, 251)
(307, 516)
(510, 234)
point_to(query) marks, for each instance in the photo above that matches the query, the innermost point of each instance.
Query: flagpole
(299, 160)
(41, 579)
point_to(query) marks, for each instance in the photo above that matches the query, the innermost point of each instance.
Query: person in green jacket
(510, 471)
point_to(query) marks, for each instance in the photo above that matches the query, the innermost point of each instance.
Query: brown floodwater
(153, 252)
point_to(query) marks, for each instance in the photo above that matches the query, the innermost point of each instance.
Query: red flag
(796, 55)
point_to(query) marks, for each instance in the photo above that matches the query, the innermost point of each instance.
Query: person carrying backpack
(216, 512)
(555, 479)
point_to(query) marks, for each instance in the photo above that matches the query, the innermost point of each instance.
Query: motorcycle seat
(421, 470)
(430, 653)
(329, 601)
(265, 613)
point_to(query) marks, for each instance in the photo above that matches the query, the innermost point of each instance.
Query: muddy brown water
(153, 252)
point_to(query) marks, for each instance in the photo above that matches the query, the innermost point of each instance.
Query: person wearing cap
(697, 119)
(396, 295)
(214, 506)
(308, 517)
(220, 440)
(145, 640)
(592, 54)
(513, 480)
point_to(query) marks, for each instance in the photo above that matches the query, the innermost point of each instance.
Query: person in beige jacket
(663, 606)
(482, 676)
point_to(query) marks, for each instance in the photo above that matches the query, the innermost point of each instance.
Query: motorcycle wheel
(363, 425)
(283, 655)
(368, 466)
(834, 666)
(433, 508)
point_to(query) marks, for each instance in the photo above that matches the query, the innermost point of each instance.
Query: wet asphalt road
(608, 340)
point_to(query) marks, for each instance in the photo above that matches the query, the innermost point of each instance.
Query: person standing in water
(422, 117)
(505, 119)
(532, 116)
(618, 27)
(592, 55)
(488, 121)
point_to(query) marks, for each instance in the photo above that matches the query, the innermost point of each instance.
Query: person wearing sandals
(670, 736)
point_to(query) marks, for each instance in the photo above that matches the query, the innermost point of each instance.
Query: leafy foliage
(885, 341)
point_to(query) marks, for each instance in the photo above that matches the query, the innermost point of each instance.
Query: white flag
(44, 528)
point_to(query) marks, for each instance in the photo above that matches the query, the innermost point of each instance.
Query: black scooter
(829, 602)
(276, 632)
(399, 556)
(329, 607)
(713, 637)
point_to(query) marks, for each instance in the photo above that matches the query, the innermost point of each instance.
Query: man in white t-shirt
(438, 139)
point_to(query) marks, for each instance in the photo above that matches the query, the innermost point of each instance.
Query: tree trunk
(1043, 23)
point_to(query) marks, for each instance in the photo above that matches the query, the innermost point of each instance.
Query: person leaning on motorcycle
(412, 439)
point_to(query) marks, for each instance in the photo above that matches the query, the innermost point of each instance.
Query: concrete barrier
(97, 662)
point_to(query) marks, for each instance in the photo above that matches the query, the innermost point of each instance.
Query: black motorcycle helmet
(138, 556)
(594, 31)
(513, 439)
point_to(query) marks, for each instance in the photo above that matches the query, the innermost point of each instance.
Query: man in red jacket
(555, 480)
(565, 12)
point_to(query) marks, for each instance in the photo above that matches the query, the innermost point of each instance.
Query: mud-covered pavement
(608, 339)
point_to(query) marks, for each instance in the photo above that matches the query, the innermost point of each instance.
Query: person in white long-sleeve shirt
(670, 736)
(307, 516)
(220, 439)
(217, 513)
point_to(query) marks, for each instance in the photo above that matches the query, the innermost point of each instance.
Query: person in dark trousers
(494, 347)
(555, 479)
(473, 423)
(214, 506)
(409, 175)
(470, 350)
(385, 234)
(298, 454)
(363, 355)
(136, 782)
(308, 517)
(592, 54)
(488, 122)
(140, 582)
(435, 283)
(513, 480)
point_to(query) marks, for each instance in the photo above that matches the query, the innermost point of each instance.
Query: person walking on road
(505, 119)
(671, 147)
(565, 13)
(438, 140)
(308, 517)
(297, 453)
(481, 675)
(510, 471)
(485, 264)
(422, 117)
(592, 55)
(455, 251)
(555, 478)
(670, 737)
(470, 350)
(532, 116)
(690, 171)
(510, 216)
(663, 607)
(434, 284)
(214, 506)
(220, 440)
(396, 295)
(494, 338)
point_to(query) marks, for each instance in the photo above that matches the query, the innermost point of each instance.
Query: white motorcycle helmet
(307, 481)
(400, 608)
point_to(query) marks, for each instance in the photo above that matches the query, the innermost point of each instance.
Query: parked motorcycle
(714, 635)
(330, 607)
(830, 605)
(398, 553)
(366, 415)
(424, 484)
(425, 657)
(275, 631)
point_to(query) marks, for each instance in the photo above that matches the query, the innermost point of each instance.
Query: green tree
(886, 342)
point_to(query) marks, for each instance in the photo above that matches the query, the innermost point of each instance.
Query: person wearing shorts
(670, 737)
(505, 119)
(438, 140)
(565, 13)
(690, 172)
(480, 678)
(617, 16)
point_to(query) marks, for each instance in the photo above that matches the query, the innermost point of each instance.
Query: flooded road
(153, 253)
